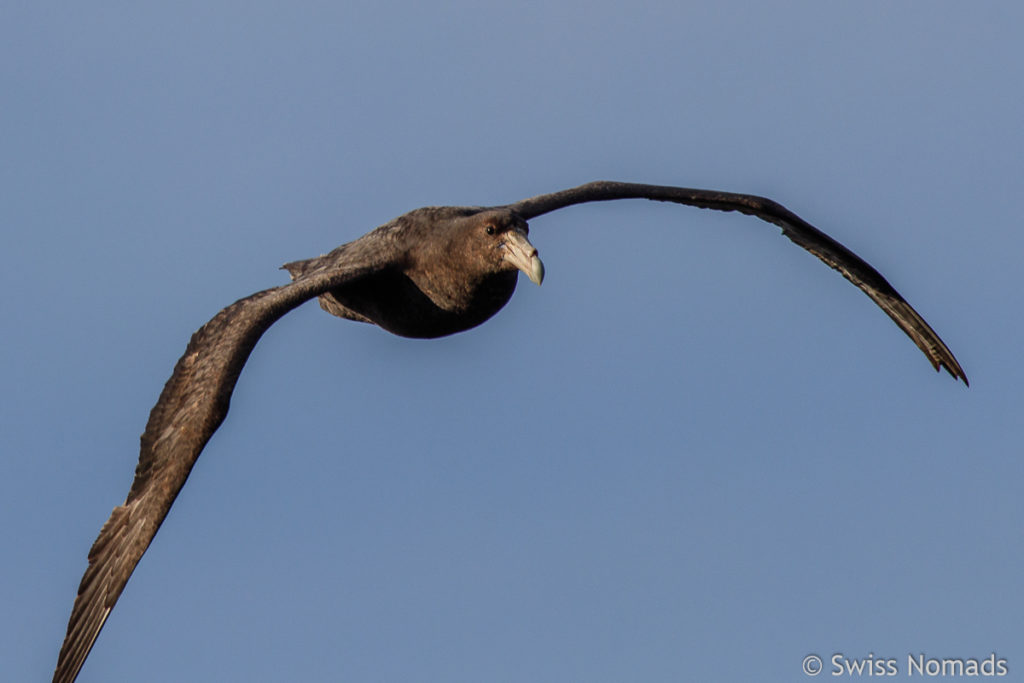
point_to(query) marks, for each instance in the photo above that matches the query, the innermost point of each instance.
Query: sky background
(695, 453)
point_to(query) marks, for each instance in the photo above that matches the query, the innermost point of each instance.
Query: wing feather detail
(192, 405)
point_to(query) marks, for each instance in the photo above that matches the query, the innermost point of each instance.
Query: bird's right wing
(191, 407)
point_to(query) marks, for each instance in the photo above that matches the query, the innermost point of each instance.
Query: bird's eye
(490, 229)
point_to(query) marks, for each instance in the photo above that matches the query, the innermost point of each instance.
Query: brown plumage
(432, 272)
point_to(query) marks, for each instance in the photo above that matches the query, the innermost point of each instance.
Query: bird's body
(430, 289)
(429, 273)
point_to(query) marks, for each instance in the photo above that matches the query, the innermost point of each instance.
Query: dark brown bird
(432, 272)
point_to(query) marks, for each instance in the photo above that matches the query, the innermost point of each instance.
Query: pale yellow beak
(520, 253)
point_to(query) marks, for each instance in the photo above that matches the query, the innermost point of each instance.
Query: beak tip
(536, 273)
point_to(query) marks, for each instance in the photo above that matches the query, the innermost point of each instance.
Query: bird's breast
(392, 300)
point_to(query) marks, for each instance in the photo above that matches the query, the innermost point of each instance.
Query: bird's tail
(299, 268)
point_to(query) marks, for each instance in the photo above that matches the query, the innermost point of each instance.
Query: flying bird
(432, 272)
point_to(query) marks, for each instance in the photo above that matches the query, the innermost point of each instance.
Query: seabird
(432, 272)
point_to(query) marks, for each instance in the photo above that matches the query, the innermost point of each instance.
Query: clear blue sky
(695, 453)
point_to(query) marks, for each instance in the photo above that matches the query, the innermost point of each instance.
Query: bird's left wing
(191, 407)
(854, 268)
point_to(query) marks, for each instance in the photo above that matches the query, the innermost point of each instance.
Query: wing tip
(955, 371)
(946, 361)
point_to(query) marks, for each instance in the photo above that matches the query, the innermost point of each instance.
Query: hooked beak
(520, 253)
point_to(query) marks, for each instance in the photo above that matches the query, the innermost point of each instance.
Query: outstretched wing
(853, 268)
(191, 407)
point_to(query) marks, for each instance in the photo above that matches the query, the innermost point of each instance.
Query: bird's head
(496, 240)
